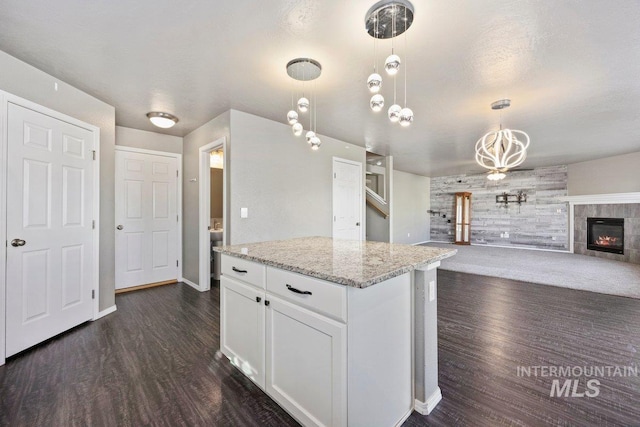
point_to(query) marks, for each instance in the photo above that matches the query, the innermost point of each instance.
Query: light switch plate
(244, 212)
(432, 290)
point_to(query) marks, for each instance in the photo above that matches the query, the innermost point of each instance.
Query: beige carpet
(547, 268)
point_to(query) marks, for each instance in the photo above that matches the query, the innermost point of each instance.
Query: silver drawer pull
(298, 291)
(237, 270)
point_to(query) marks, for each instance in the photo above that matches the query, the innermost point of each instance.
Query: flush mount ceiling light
(304, 70)
(503, 149)
(386, 20)
(162, 120)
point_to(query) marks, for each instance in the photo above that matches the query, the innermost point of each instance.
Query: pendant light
(386, 20)
(503, 149)
(304, 70)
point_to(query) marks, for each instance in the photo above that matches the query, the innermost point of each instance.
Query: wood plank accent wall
(540, 223)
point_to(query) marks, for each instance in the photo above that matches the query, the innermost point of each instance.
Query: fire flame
(606, 241)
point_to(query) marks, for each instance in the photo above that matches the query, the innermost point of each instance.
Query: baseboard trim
(190, 283)
(425, 408)
(421, 243)
(404, 418)
(105, 312)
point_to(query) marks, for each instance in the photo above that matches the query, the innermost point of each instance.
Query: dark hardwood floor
(155, 362)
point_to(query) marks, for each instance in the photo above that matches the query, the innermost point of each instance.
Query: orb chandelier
(503, 149)
(304, 70)
(386, 20)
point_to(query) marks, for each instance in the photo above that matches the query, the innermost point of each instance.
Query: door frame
(5, 99)
(363, 227)
(178, 158)
(204, 167)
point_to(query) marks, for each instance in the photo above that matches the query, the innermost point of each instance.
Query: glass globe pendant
(292, 117)
(374, 83)
(310, 134)
(406, 117)
(297, 129)
(377, 102)
(303, 104)
(392, 64)
(394, 113)
(315, 142)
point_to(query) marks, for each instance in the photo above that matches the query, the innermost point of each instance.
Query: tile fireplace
(605, 235)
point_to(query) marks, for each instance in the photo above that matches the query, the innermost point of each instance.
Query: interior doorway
(213, 217)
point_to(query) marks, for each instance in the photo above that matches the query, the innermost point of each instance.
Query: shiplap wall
(541, 222)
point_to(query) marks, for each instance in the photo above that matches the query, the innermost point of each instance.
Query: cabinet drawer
(317, 295)
(241, 269)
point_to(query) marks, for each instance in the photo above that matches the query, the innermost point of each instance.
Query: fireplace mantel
(601, 199)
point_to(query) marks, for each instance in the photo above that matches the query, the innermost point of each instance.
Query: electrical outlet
(244, 212)
(432, 290)
(506, 235)
(408, 234)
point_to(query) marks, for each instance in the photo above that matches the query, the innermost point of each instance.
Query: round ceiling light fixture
(162, 120)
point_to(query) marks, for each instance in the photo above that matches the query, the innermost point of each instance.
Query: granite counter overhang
(354, 263)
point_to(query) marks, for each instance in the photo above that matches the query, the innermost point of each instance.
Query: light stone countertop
(348, 262)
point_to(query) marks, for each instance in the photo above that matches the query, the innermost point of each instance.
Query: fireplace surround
(605, 235)
(618, 205)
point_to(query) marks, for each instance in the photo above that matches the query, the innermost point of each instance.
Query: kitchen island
(337, 332)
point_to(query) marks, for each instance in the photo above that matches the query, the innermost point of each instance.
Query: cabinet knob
(266, 302)
(258, 299)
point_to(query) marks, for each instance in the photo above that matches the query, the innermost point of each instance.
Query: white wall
(618, 174)
(286, 186)
(411, 201)
(136, 138)
(209, 132)
(23, 80)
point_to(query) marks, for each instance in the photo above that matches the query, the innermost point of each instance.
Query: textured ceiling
(570, 67)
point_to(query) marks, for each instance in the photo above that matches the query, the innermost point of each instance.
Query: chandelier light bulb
(292, 117)
(310, 134)
(496, 175)
(315, 142)
(377, 102)
(297, 129)
(406, 117)
(392, 64)
(374, 83)
(303, 104)
(394, 113)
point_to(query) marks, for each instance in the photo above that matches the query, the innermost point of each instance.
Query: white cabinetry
(329, 354)
(306, 364)
(242, 317)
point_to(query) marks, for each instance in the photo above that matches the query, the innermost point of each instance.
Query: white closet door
(49, 227)
(146, 219)
(347, 199)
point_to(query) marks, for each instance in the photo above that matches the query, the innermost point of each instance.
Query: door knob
(120, 227)
(18, 242)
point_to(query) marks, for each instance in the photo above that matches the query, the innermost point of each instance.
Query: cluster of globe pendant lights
(304, 69)
(388, 19)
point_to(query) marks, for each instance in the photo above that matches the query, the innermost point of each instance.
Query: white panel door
(49, 227)
(146, 218)
(347, 200)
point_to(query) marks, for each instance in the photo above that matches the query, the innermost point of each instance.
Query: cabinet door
(242, 327)
(306, 364)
